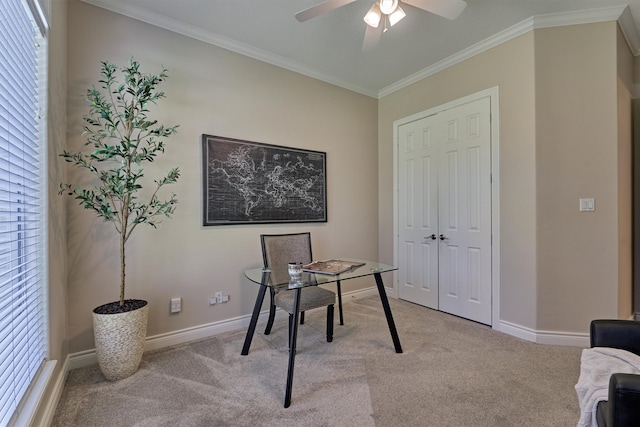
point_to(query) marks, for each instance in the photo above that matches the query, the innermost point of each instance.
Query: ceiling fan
(387, 12)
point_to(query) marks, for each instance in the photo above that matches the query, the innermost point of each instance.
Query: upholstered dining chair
(281, 249)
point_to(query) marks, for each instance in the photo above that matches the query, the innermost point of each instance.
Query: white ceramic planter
(119, 340)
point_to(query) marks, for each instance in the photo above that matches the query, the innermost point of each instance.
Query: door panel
(418, 272)
(445, 191)
(465, 212)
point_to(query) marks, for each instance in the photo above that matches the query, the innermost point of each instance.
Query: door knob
(432, 237)
(443, 237)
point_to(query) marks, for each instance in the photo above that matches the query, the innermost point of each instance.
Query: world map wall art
(248, 182)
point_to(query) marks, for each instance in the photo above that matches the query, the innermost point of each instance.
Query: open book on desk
(331, 266)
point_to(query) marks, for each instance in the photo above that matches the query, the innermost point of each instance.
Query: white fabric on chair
(596, 366)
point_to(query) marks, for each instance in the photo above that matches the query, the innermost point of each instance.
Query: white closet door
(445, 192)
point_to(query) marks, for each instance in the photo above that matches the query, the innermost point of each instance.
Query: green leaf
(123, 137)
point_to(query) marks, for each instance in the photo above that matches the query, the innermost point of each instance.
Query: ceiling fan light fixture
(396, 16)
(373, 16)
(388, 6)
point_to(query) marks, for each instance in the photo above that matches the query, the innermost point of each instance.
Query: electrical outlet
(176, 305)
(219, 297)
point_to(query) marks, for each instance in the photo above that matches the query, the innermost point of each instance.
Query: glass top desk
(278, 277)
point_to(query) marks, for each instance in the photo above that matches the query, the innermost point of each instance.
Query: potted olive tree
(122, 138)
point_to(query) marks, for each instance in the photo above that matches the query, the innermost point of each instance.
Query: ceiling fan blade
(449, 9)
(321, 8)
(371, 38)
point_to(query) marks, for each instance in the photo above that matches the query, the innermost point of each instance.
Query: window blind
(22, 290)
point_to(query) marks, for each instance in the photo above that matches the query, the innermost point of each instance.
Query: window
(23, 334)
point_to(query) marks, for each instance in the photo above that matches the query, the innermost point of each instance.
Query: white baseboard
(88, 357)
(389, 291)
(544, 337)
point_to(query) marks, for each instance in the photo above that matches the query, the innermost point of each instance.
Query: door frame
(493, 95)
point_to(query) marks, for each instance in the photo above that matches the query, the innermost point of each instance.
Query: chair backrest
(616, 333)
(281, 249)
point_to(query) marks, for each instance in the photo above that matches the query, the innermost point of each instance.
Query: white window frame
(23, 413)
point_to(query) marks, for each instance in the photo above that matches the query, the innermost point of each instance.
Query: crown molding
(486, 44)
(589, 16)
(218, 40)
(615, 13)
(630, 31)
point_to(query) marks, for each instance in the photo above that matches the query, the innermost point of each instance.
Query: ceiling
(329, 47)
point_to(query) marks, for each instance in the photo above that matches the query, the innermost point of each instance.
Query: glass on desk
(295, 270)
(295, 283)
(278, 276)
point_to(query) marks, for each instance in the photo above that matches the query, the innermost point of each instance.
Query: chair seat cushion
(310, 297)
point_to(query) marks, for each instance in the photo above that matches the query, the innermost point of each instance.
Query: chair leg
(330, 323)
(340, 302)
(272, 313)
(302, 317)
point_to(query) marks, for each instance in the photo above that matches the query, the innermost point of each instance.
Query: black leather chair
(622, 409)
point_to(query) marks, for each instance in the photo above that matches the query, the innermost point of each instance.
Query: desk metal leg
(254, 321)
(387, 312)
(292, 348)
(340, 302)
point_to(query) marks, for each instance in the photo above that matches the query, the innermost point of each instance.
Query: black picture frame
(246, 182)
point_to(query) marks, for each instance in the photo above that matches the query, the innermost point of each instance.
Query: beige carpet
(452, 373)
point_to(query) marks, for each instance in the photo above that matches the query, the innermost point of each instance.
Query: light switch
(587, 205)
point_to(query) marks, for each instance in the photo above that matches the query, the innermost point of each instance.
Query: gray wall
(561, 138)
(212, 91)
